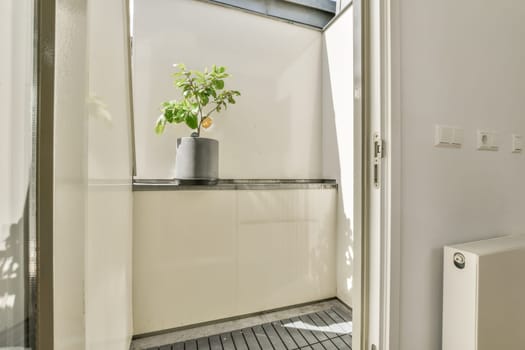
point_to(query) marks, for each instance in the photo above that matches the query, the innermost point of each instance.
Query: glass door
(17, 130)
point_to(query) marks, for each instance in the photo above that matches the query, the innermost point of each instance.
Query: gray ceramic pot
(197, 160)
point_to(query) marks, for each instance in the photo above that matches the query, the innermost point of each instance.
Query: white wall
(460, 63)
(229, 253)
(276, 66)
(338, 141)
(92, 223)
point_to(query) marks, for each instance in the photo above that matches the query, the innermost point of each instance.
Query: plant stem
(207, 115)
(212, 110)
(194, 88)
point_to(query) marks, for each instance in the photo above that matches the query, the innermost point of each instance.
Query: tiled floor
(322, 326)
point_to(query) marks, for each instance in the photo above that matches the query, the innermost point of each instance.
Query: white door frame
(390, 197)
(391, 206)
(377, 60)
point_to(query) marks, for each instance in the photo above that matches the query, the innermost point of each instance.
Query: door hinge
(379, 154)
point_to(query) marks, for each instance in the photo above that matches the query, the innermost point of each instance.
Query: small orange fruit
(207, 122)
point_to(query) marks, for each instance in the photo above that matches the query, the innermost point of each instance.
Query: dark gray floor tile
(227, 341)
(215, 343)
(251, 339)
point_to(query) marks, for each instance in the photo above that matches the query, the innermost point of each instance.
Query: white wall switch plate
(487, 141)
(457, 141)
(448, 136)
(517, 144)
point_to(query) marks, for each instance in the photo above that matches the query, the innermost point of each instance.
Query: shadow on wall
(345, 253)
(13, 296)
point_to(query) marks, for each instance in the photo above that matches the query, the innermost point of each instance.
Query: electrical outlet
(487, 141)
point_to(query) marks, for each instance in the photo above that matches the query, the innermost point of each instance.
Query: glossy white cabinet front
(206, 255)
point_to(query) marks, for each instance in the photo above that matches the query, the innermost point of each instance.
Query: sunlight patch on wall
(7, 301)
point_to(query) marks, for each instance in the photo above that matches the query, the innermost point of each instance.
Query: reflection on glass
(16, 159)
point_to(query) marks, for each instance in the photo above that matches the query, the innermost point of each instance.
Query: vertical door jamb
(44, 172)
(390, 196)
(361, 174)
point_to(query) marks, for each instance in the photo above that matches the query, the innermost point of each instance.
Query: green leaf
(161, 125)
(180, 116)
(192, 121)
(199, 89)
(204, 99)
(170, 114)
(159, 128)
(219, 84)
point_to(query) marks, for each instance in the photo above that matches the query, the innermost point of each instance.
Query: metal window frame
(323, 5)
(314, 14)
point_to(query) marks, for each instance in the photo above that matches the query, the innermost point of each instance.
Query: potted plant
(203, 93)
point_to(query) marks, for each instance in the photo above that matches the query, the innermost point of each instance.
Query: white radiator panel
(484, 302)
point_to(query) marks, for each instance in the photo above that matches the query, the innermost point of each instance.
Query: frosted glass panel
(16, 89)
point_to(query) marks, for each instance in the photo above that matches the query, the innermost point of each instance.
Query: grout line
(300, 331)
(220, 339)
(245, 340)
(322, 345)
(344, 341)
(233, 340)
(290, 334)
(267, 337)
(320, 318)
(315, 335)
(335, 345)
(338, 314)
(257, 339)
(336, 322)
(278, 335)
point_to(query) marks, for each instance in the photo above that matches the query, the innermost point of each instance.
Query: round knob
(459, 260)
